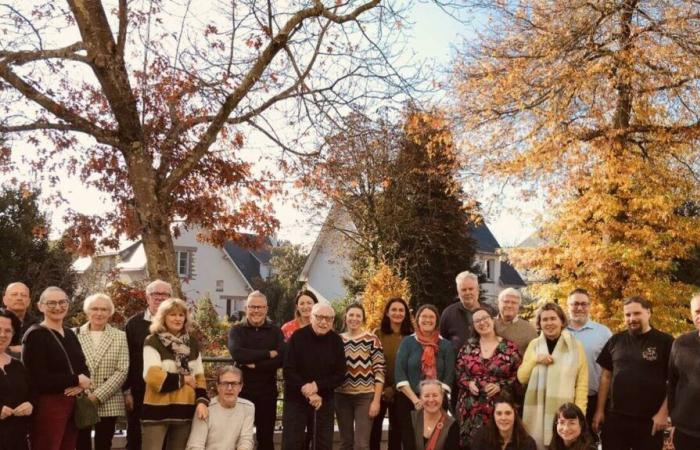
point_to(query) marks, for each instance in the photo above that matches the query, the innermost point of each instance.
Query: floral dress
(501, 368)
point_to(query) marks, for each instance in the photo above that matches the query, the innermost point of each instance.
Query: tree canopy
(154, 104)
(595, 103)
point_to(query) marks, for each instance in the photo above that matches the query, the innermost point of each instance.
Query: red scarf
(435, 435)
(430, 350)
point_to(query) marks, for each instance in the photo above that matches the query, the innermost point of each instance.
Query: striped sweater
(168, 398)
(364, 364)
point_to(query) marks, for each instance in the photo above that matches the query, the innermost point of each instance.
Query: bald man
(17, 300)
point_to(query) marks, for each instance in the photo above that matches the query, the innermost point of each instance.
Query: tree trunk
(153, 219)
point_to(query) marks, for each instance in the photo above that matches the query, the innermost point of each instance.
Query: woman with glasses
(424, 355)
(57, 371)
(107, 357)
(304, 301)
(486, 366)
(16, 399)
(175, 386)
(357, 400)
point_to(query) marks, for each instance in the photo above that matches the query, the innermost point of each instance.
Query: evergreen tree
(26, 253)
(429, 240)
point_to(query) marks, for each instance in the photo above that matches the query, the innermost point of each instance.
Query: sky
(433, 36)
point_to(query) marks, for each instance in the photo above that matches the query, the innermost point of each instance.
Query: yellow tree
(595, 103)
(382, 286)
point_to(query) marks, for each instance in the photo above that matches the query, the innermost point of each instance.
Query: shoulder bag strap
(58, 341)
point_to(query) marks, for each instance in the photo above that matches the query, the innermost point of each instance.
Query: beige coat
(109, 366)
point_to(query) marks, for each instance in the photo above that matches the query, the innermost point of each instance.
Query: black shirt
(49, 371)
(136, 333)
(639, 366)
(480, 442)
(456, 323)
(14, 390)
(311, 357)
(684, 384)
(251, 344)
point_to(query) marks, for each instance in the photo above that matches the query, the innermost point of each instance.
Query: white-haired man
(136, 333)
(456, 320)
(509, 325)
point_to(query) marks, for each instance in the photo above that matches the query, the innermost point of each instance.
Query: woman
(504, 430)
(423, 355)
(555, 370)
(107, 357)
(485, 367)
(304, 301)
(357, 399)
(15, 395)
(433, 428)
(57, 372)
(570, 430)
(174, 375)
(396, 324)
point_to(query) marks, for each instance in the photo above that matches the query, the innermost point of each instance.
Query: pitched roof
(485, 240)
(248, 261)
(510, 276)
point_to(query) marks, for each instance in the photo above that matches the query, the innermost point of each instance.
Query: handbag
(85, 414)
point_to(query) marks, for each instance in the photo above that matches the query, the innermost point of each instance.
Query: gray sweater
(225, 428)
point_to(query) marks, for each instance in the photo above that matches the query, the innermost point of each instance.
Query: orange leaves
(382, 286)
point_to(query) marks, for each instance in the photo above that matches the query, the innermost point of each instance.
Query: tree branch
(23, 57)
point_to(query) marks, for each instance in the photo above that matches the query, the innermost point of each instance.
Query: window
(490, 269)
(183, 264)
(219, 285)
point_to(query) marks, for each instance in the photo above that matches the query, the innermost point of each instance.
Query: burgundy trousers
(52, 423)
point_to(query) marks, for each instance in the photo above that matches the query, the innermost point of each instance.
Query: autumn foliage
(595, 104)
(382, 286)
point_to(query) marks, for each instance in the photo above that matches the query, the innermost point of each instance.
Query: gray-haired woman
(107, 357)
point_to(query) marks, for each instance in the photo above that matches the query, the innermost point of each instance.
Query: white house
(329, 260)
(226, 275)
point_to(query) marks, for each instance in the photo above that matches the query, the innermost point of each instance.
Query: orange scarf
(430, 350)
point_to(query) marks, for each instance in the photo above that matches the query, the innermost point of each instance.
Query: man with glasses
(314, 365)
(508, 325)
(230, 422)
(256, 347)
(136, 333)
(593, 336)
(17, 300)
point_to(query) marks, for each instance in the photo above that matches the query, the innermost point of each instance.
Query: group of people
(474, 377)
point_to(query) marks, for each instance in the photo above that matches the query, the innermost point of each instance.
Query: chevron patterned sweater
(364, 364)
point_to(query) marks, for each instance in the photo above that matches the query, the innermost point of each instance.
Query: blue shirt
(593, 336)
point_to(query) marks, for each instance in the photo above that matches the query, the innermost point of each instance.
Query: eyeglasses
(229, 384)
(324, 318)
(160, 294)
(53, 304)
(257, 307)
(579, 304)
(482, 320)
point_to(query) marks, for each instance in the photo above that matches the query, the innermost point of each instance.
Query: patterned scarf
(430, 350)
(180, 346)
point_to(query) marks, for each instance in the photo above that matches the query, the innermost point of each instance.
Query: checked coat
(109, 366)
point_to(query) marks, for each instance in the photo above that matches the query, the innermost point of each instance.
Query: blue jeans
(299, 417)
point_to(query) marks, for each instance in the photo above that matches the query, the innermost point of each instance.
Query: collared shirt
(147, 316)
(593, 336)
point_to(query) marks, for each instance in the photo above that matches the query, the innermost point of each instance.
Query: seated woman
(570, 430)
(15, 398)
(433, 428)
(504, 430)
(175, 386)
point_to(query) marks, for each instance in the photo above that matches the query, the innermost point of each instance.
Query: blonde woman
(107, 356)
(174, 375)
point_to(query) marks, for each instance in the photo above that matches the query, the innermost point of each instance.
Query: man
(229, 425)
(314, 365)
(509, 325)
(635, 368)
(593, 336)
(136, 333)
(256, 346)
(684, 384)
(17, 300)
(456, 320)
